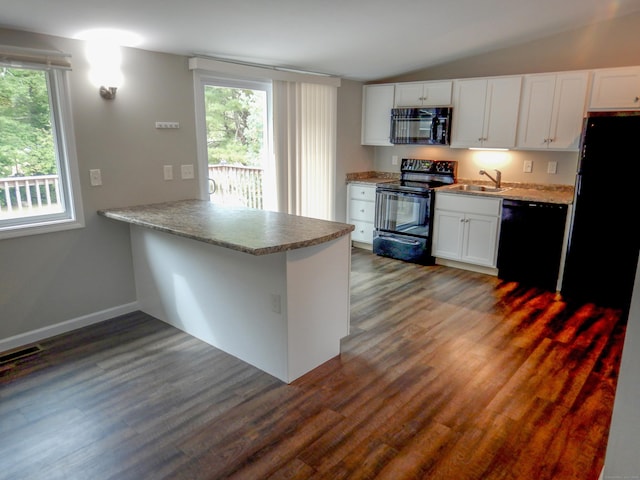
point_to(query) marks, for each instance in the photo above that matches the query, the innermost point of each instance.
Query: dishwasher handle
(513, 204)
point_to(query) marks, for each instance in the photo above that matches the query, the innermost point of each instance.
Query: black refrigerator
(602, 253)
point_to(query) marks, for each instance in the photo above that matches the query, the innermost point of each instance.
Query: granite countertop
(371, 178)
(257, 232)
(517, 191)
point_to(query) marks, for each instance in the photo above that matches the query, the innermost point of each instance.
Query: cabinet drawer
(468, 204)
(362, 210)
(363, 232)
(363, 192)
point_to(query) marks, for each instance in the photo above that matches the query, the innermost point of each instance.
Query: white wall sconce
(105, 59)
(104, 56)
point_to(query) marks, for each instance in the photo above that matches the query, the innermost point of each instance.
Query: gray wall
(52, 278)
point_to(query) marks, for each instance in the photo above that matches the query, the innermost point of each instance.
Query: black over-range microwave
(421, 126)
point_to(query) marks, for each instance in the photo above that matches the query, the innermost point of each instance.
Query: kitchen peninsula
(269, 288)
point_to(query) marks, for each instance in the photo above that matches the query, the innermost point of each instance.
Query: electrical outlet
(168, 172)
(186, 171)
(528, 166)
(552, 167)
(95, 176)
(394, 159)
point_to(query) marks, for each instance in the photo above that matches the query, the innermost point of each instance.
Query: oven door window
(406, 213)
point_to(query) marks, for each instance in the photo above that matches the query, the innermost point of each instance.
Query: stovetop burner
(420, 176)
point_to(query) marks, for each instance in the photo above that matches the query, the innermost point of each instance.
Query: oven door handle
(400, 240)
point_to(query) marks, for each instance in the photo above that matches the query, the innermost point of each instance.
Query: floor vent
(21, 352)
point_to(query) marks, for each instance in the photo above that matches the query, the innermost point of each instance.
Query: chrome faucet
(496, 180)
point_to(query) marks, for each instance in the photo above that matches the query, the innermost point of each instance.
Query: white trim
(238, 70)
(66, 326)
(201, 79)
(13, 56)
(65, 144)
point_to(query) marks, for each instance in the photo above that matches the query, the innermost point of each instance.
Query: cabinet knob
(362, 210)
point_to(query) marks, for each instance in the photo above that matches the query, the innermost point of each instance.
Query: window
(39, 189)
(299, 163)
(236, 118)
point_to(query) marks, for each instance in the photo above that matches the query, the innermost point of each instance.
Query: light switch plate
(528, 166)
(168, 172)
(186, 171)
(167, 125)
(552, 167)
(95, 176)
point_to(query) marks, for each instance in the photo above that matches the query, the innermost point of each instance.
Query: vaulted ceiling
(355, 39)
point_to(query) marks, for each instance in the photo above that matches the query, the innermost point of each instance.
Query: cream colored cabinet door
(465, 229)
(485, 112)
(377, 102)
(423, 94)
(615, 89)
(361, 211)
(552, 111)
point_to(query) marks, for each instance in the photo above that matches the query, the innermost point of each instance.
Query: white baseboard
(64, 327)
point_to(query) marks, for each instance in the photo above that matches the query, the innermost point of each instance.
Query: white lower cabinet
(361, 211)
(465, 228)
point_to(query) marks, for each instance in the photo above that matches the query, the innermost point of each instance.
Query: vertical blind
(305, 147)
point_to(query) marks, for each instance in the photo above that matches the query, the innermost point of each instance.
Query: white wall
(606, 44)
(622, 459)
(470, 162)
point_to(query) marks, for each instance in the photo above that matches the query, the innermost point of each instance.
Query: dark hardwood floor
(447, 374)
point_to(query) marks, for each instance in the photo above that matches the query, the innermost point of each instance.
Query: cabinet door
(377, 102)
(615, 88)
(551, 111)
(469, 98)
(423, 94)
(409, 94)
(501, 112)
(363, 232)
(437, 94)
(480, 241)
(448, 229)
(568, 111)
(362, 210)
(534, 122)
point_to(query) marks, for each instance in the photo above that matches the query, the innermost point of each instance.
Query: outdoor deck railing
(236, 185)
(21, 194)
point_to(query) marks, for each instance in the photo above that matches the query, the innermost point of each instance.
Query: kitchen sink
(478, 188)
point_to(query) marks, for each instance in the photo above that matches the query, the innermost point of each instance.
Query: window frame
(202, 80)
(72, 216)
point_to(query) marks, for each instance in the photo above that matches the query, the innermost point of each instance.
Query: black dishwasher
(531, 239)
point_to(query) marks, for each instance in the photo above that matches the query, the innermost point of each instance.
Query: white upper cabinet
(615, 89)
(485, 112)
(552, 111)
(423, 94)
(377, 102)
